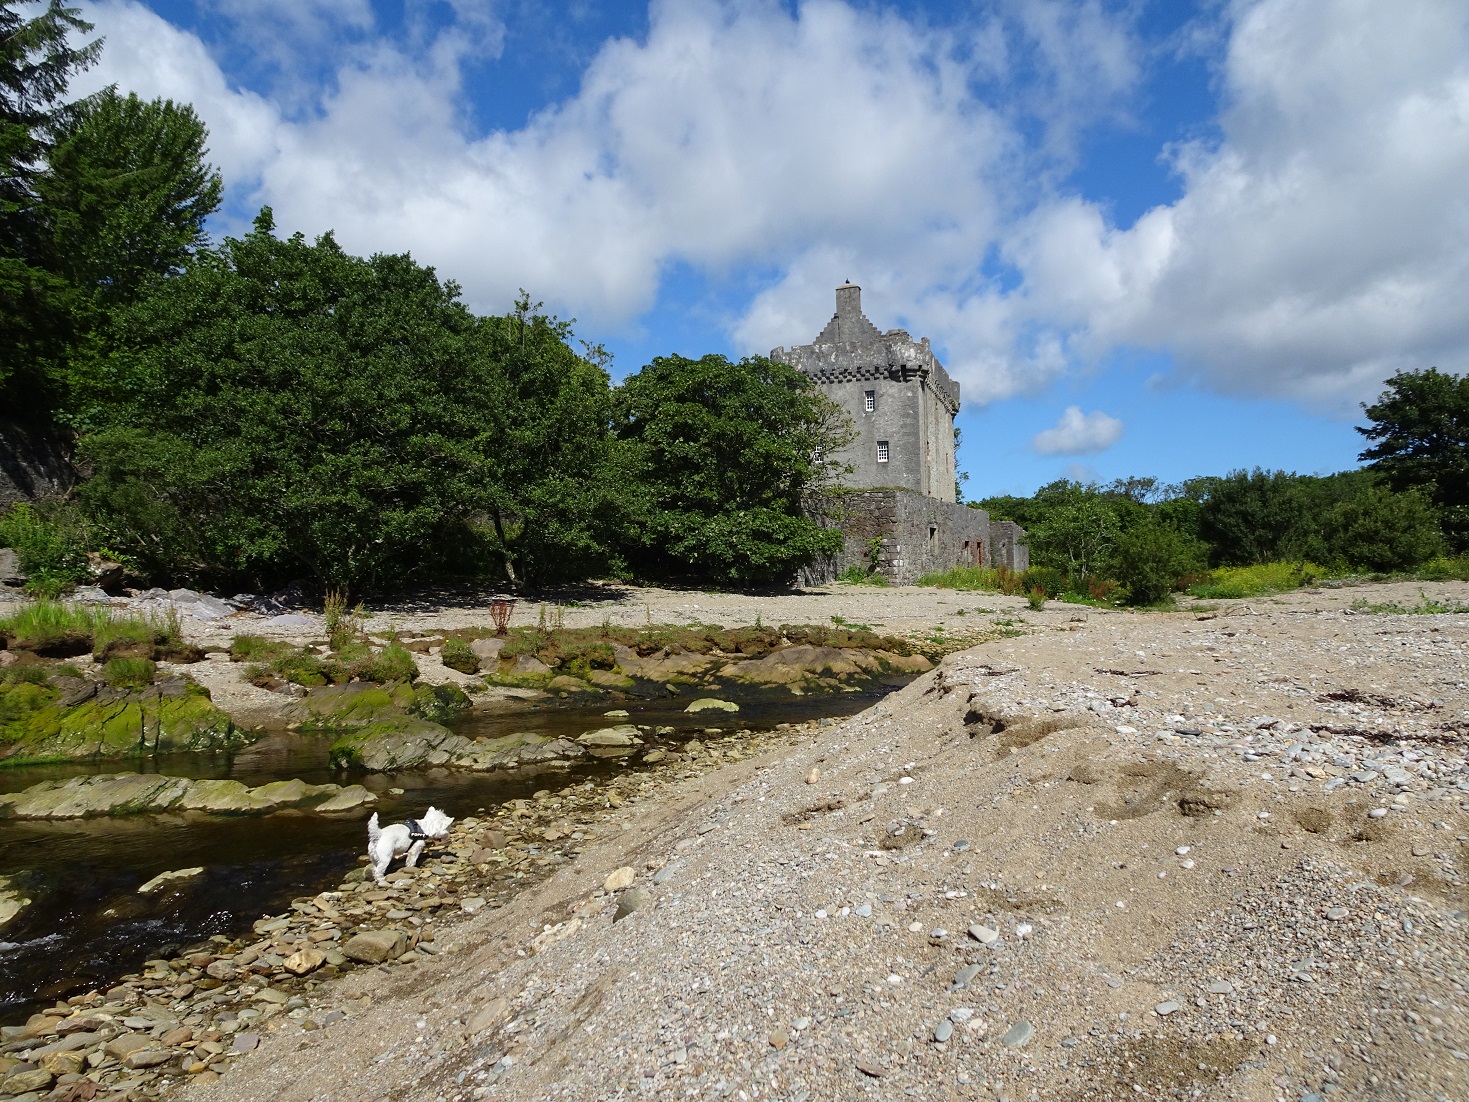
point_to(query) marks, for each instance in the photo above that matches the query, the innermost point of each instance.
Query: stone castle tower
(900, 519)
(901, 400)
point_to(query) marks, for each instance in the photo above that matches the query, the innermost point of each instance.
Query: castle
(901, 518)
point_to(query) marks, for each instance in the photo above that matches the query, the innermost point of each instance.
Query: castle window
(869, 397)
(882, 451)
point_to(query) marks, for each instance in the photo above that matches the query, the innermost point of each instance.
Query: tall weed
(1235, 582)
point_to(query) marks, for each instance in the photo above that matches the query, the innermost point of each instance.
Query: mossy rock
(398, 742)
(439, 703)
(174, 716)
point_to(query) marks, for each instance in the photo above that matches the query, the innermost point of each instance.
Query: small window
(869, 398)
(882, 451)
(933, 533)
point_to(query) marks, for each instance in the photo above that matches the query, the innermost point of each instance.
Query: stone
(487, 1016)
(943, 1031)
(985, 935)
(623, 735)
(303, 961)
(123, 1045)
(64, 1063)
(168, 877)
(712, 704)
(1221, 987)
(619, 879)
(471, 905)
(966, 974)
(376, 946)
(487, 650)
(1163, 1009)
(222, 970)
(146, 1058)
(21, 1082)
(632, 901)
(814, 776)
(246, 1042)
(870, 1068)
(1019, 1033)
(1336, 914)
(779, 1038)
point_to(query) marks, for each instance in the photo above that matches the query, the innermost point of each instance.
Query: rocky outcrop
(35, 462)
(12, 902)
(143, 793)
(59, 721)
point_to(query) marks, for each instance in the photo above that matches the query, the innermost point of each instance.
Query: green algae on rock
(67, 718)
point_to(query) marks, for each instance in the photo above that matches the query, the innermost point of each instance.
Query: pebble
(965, 974)
(863, 910)
(779, 1038)
(618, 879)
(1221, 987)
(1018, 1034)
(985, 935)
(943, 1031)
(1163, 1009)
(1377, 812)
(1336, 914)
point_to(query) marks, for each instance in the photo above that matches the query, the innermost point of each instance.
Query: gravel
(1241, 751)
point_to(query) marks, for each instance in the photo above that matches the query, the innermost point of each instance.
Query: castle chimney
(849, 301)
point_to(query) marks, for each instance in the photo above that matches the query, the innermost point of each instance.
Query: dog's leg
(414, 854)
(380, 862)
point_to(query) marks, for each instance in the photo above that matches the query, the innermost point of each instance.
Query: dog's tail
(372, 830)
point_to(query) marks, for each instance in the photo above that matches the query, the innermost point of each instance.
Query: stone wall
(34, 463)
(904, 535)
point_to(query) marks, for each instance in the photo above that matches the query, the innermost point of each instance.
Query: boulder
(303, 961)
(349, 798)
(487, 650)
(622, 735)
(125, 1044)
(527, 665)
(12, 902)
(376, 946)
(135, 793)
(794, 666)
(23, 1082)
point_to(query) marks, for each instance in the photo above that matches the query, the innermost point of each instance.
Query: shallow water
(88, 924)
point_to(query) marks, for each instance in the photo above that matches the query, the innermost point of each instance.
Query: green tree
(1076, 530)
(126, 192)
(282, 407)
(1382, 530)
(727, 461)
(1256, 516)
(1420, 426)
(37, 61)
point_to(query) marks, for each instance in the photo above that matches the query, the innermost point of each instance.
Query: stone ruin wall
(915, 535)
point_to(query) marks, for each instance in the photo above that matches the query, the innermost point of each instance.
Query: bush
(1445, 569)
(1151, 558)
(1233, 583)
(1036, 598)
(983, 578)
(457, 655)
(1047, 579)
(1383, 531)
(393, 663)
(51, 541)
(130, 673)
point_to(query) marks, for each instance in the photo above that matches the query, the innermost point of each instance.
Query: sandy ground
(1212, 855)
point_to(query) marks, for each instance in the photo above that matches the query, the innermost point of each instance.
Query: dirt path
(1120, 856)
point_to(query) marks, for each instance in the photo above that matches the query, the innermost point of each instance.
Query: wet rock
(712, 704)
(623, 735)
(165, 878)
(138, 793)
(12, 902)
(376, 946)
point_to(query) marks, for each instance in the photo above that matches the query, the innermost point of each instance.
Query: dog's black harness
(416, 832)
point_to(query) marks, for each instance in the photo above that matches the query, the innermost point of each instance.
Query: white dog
(385, 843)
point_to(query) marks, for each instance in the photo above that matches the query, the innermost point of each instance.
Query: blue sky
(1146, 236)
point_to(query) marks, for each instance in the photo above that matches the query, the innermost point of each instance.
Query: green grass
(1236, 582)
(130, 673)
(984, 579)
(47, 623)
(457, 655)
(855, 575)
(1426, 606)
(1444, 569)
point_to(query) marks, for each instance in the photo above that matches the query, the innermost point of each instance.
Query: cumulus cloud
(1078, 433)
(1320, 244)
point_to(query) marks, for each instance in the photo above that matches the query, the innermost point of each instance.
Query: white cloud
(1320, 245)
(1078, 433)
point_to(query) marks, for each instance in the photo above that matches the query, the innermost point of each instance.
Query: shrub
(1383, 531)
(1445, 569)
(130, 673)
(1047, 579)
(457, 655)
(256, 648)
(1036, 598)
(51, 541)
(1233, 583)
(1151, 558)
(393, 663)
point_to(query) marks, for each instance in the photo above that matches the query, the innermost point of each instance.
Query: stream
(87, 923)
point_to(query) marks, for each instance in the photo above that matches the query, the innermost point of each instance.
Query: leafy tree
(727, 461)
(1382, 530)
(1255, 516)
(553, 497)
(1420, 426)
(283, 407)
(1077, 531)
(37, 60)
(126, 193)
